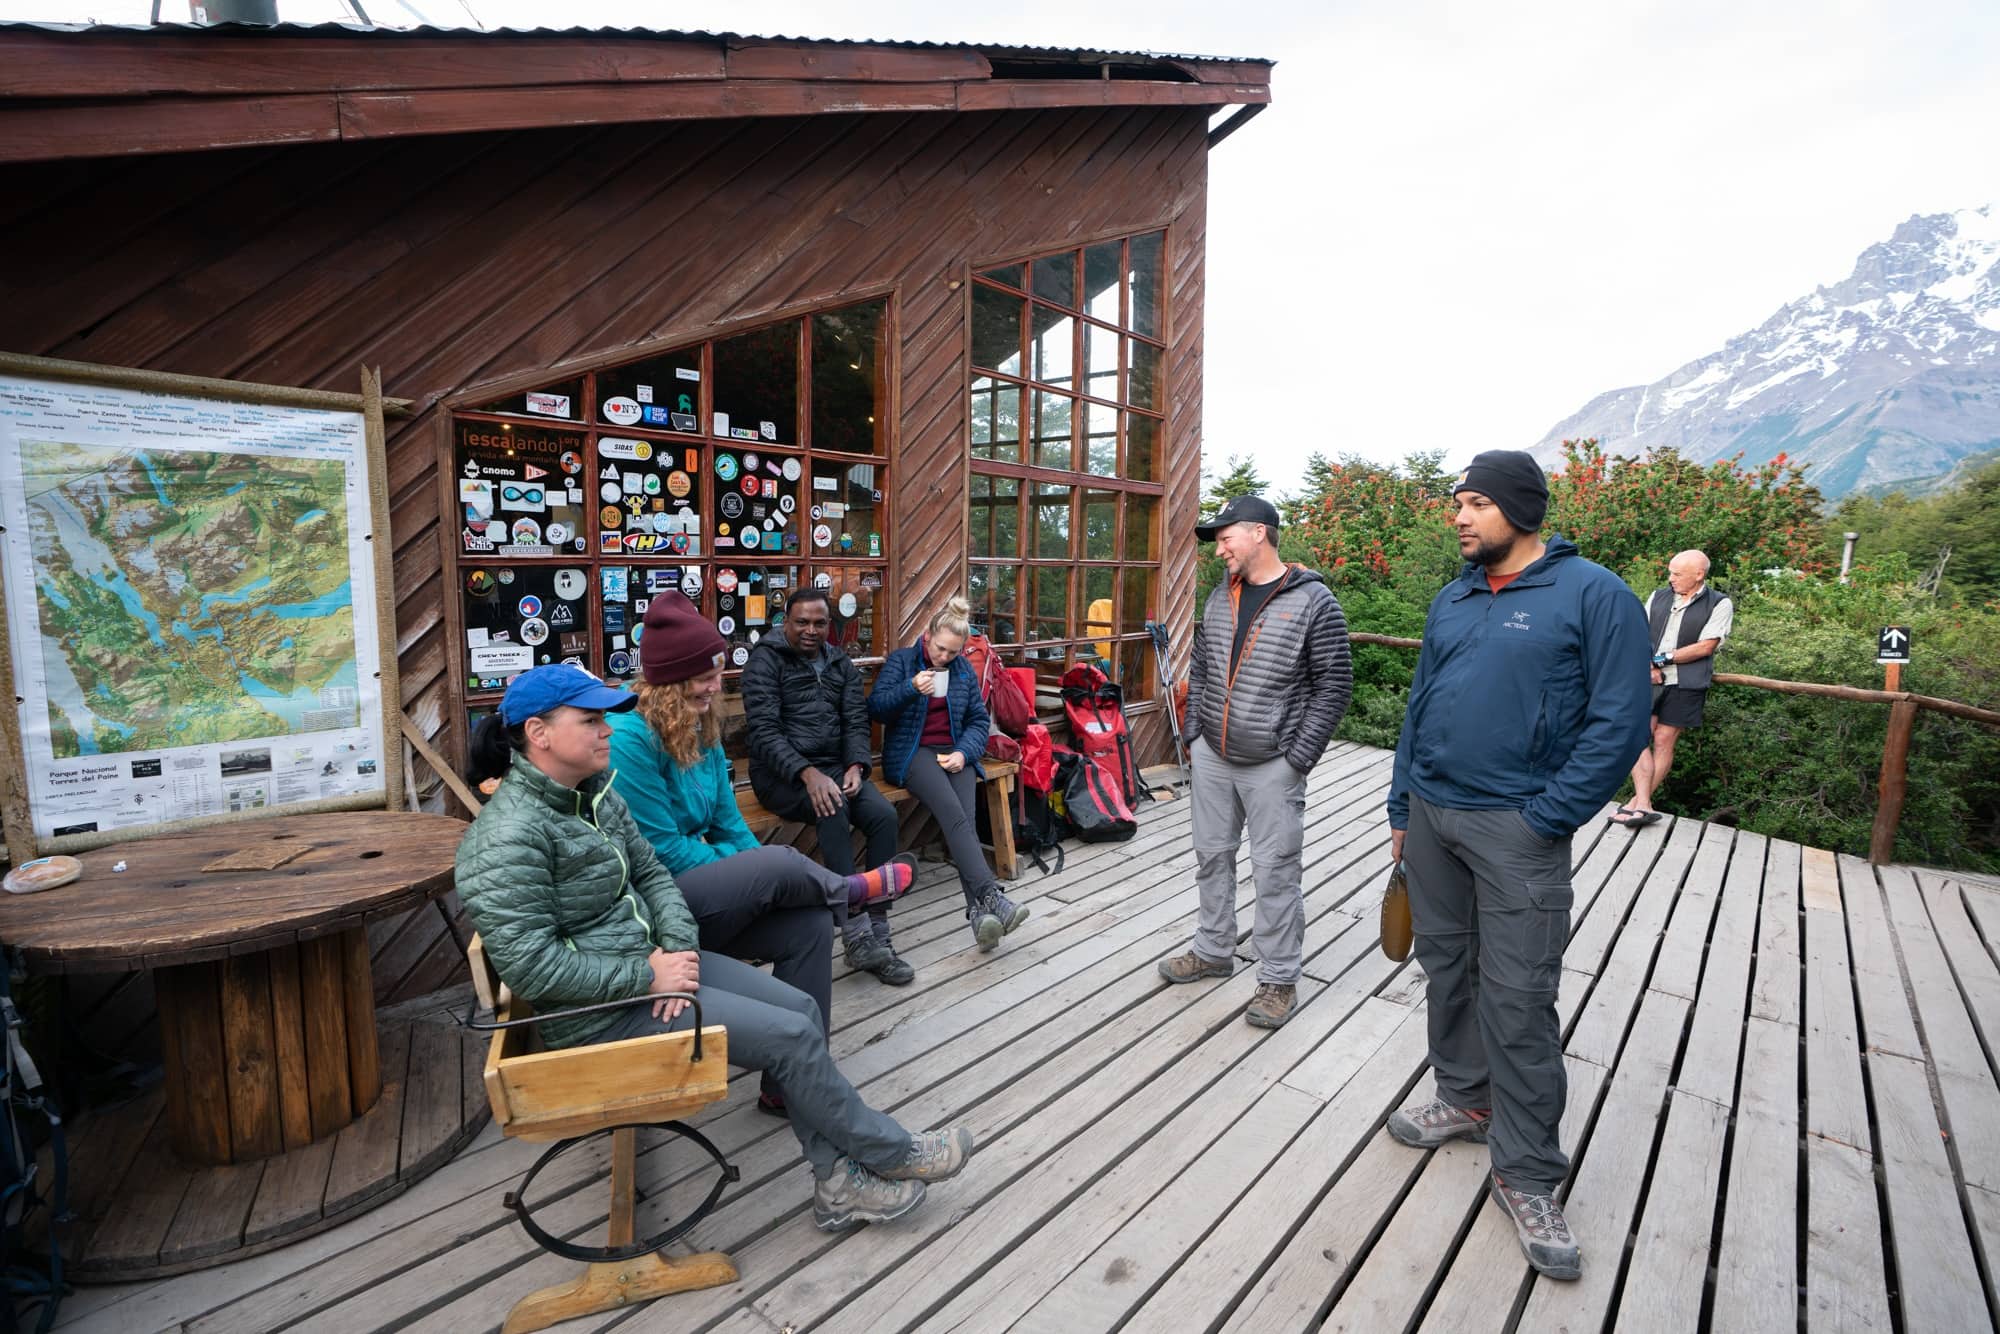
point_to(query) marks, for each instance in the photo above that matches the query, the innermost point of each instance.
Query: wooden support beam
(1893, 786)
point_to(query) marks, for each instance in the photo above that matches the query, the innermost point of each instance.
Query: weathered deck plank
(1738, 1013)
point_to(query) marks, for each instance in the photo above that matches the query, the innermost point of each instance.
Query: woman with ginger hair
(749, 901)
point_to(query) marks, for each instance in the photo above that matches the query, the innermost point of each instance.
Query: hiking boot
(987, 928)
(1271, 1006)
(1541, 1229)
(1191, 967)
(866, 954)
(935, 1156)
(772, 1103)
(1435, 1122)
(1010, 913)
(898, 972)
(853, 1194)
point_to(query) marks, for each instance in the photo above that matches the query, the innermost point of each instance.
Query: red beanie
(679, 643)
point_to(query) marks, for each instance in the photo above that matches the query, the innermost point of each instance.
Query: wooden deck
(1783, 1112)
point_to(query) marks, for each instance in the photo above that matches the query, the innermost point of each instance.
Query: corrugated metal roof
(1084, 54)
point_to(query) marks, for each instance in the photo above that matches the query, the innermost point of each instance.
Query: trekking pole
(1164, 666)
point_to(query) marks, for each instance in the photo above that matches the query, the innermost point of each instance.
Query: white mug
(940, 681)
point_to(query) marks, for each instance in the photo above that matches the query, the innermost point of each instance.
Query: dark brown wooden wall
(454, 261)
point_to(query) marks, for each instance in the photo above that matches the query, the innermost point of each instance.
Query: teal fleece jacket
(688, 815)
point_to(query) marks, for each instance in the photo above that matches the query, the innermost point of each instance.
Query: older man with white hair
(1689, 620)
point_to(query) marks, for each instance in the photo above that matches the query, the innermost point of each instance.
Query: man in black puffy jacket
(1267, 684)
(807, 720)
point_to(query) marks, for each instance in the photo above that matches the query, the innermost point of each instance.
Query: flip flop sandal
(1621, 816)
(1646, 818)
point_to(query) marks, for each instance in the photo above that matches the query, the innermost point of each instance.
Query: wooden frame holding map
(196, 603)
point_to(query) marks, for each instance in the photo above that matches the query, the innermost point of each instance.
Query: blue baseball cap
(537, 691)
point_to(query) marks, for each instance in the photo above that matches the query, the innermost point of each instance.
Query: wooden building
(676, 311)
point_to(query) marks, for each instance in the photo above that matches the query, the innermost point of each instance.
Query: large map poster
(190, 600)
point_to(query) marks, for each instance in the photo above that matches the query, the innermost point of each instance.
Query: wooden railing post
(1893, 785)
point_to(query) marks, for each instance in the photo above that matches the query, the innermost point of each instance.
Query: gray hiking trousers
(1490, 901)
(1270, 800)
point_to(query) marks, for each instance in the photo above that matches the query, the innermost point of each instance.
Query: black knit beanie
(1511, 479)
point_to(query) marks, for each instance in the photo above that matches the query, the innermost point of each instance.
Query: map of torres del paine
(189, 597)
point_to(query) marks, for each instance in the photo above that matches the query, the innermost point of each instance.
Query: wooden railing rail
(1892, 786)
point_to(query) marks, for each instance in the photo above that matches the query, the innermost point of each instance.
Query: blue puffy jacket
(1537, 698)
(896, 702)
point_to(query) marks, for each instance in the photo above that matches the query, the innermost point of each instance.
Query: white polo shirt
(1720, 617)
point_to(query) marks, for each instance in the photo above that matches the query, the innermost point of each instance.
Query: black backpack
(25, 1110)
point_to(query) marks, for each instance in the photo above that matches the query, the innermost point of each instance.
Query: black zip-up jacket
(798, 718)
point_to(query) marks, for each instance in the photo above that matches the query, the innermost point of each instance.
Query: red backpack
(1095, 707)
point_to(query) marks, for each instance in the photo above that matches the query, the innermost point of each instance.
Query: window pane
(1139, 544)
(1144, 381)
(757, 385)
(1014, 275)
(847, 380)
(1051, 522)
(1146, 252)
(1055, 279)
(756, 504)
(991, 589)
(661, 393)
(995, 517)
(1100, 526)
(503, 511)
(1100, 361)
(1053, 347)
(1097, 623)
(1052, 414)
(749, 604)
(1137, 667)
(855, 599)
(845, 509)
(1048, 601)
(1100, 439)
(996, 420)
(1138, 603)
(996, 330)
(1100, 281)
(1142, 453)
(563, 400)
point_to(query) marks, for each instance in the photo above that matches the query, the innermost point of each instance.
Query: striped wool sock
(891, 880)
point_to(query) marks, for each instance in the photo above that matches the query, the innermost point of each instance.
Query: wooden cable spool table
(255, 935)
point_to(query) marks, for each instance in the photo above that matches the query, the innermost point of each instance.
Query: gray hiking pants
(949, 798)
(1490, 901)
(777, 1029)
(1269, 799)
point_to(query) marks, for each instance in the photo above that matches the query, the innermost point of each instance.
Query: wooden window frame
(1028, 472)
(463, 407)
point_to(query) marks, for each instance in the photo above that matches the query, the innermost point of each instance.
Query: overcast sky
(1461, 220)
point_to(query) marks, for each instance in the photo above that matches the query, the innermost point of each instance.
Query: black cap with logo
(1243, 509)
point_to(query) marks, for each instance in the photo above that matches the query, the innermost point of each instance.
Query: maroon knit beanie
(679, 643)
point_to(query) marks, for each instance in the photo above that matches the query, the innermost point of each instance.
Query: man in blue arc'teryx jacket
(1531, 700)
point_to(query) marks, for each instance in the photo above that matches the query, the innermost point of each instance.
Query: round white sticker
(558, 533)
(621, 411)
(791, 470)
(739, 655)
(847, 604)
(727, 625)
(570, 584)
(611, 493)
(786, 504)
(822, 580)
(534, 630)
(822, 536)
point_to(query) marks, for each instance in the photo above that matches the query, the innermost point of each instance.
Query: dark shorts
(1677, 706)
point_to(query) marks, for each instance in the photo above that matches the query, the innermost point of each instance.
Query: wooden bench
(998, 787)
(616, 1086)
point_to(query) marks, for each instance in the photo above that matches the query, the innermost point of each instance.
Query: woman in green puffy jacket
(575, 909)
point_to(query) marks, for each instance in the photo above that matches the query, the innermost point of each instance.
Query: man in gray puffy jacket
(1267, 685)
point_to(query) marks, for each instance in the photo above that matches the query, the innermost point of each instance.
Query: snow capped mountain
(1890, 376)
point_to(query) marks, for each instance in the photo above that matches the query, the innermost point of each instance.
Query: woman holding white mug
(927, 697)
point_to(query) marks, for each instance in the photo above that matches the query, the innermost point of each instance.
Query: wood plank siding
(455, 261)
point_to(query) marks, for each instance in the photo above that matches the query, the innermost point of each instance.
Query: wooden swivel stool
(568, 1095)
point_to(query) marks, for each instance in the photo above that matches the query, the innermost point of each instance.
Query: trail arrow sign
(1892, 644)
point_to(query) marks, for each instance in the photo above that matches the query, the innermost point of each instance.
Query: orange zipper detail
(1229, 682)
